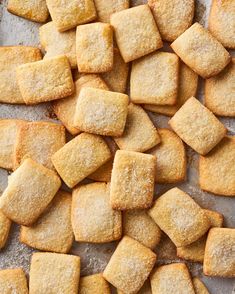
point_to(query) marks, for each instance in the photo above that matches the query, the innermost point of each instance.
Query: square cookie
(9, 129)
(172, 278)
(94, 284)
(217, 169)
(136, 32)
(154, 79)
(129, 266)
(67, 14)
(146, 289)
(199, 287)
(39, 141)
(173, 17)
(93, 218)
(5, 225)
(56, 43)
(180, 217)
(132, 180)
(10, 59)
(219, 92)
(80, 157)
(197, 126)
(138, 225)
(30, 189)
(101, 112)
(222, 22)
(201, 51)
(35, 10)
(171, 158)
(53, 230)
(140, 133)
(219, 260)
(13, 281)
(54, 273)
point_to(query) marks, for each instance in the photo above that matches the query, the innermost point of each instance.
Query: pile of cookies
(88, 48)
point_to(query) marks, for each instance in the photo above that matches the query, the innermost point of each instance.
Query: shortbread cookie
(171, 158)
(94, 284)
(31, 9)
(116, 78)
(180, 217)
(132, 181)
(5, 225)
(219, 257)
(56, 43)
(146, 289)
(54, 273)
(172, 17)
(138, 225)
(9, 129)
(80, 157)
(199, 287)
(105, 8)
(30, 189)
(139, 134)
(93, 218)
(65, 108)
(38, 141)
(101, 112)
(201, 51)
(154, 79)
(222, 22)
(10, 59)
(187, 88)
(94, 47)
(129, 266)
(53, 230)
(219, 92)
(45, 80)
(172, 278)
(67, 14)
(13, 281)
(217, 169)
(197, 126)
(136, 32)
(103, 173)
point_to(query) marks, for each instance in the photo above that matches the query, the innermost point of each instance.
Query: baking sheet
(17, 31)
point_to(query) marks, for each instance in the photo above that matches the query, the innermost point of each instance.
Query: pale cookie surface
(222, 22)
(94, 47)
(13, 281)
(172, 278)
(80, 157)
(54, 273)
(172, 17)
(138, 225)
(180, 217)
(146, 289)
(132, 180)
(65, 108)
(45, 80)
(188, 81)
(154, 79)
(129, 266)
(56, 43)
(29, 9)
(197, 126)
(30, 189)
(136, 32)
(93, 218)
(219, 257)
(220, 92)
(9, 129)
(171, 158)
(217, 169)
(199, 287)
(53, 230)
(94, 284)
(139, 134)
(10, 59)
(101, 112)
(67, 14)
(38, 141)
(201, 51)
(5, 225)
